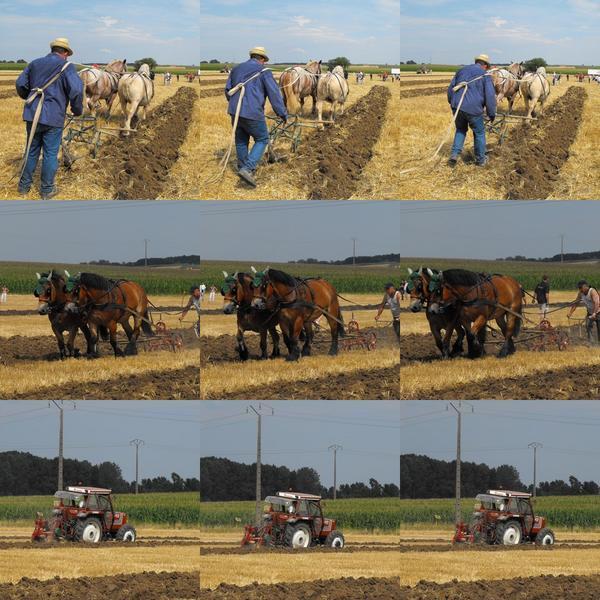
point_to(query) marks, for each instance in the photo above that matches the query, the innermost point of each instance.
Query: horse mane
(281, 277)
(56, 276)
(96, 281)
(461, 277)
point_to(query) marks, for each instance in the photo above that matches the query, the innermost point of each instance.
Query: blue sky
(453, 32)
(498, 432)
(101, 431)
(299, 433)
(100, 31)
(365, 32)
(261, 231)
(490, 230)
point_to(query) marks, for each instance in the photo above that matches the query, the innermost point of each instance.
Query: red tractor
(83, 514)
(506, 518)
(294, 520)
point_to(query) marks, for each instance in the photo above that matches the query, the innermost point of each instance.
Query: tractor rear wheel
(126, 533)
(298, 536)
(88, 531)
(509, 533)
(545, 537)
(335, 539)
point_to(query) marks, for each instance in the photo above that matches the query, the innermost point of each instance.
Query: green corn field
(181, 508)
(20, 277)
(561, 511)
(364, 514)
(563, 276)
(362, 279)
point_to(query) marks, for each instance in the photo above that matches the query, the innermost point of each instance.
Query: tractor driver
(194, 301)
(588, 297)
(391, 298)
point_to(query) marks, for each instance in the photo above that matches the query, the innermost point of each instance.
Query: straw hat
(260, 51)
(484, 57)
(61, 43)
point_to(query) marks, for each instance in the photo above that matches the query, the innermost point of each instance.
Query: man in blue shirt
(259, 85)
(480, 95)
(66, 89)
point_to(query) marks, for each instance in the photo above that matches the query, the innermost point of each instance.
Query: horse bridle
(460, 298)
(280, 300)
(53, 306)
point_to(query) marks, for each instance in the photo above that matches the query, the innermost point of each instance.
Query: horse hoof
(291, 358)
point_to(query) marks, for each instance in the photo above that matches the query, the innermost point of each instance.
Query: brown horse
(106, 303)
(423, 297)
(297, 83)
(480, 298)
(506, 83)
(237, 295)
(300, 303)
(52, 299)
(101, 84)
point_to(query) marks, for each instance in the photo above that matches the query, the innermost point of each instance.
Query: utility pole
(61, 430)
(137, 443)
(562, 247)
(457, 507)
(146, 252)
(335, 448)
(354, 252)
(535, 446)
(258, 505)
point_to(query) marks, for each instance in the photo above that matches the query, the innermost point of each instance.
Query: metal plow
(356, 339)
(165, 339)
(502, 122)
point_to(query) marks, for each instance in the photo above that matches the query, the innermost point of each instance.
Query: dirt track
(431, 91)
(212, 92)
(535, 152)
(569, 383)
(5, 94)
(349, 549)
(414, 83)
(138, 586)
(29, 545)
(141, 163)
(333, 161)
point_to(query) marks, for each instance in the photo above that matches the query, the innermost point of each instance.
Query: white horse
(535, 88)
(333, 88)
(136, 90)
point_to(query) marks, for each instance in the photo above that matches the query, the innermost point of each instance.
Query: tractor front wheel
(88, 531)
(298, 536)
(126, 533)
(545, 537)
(335, 539)
(509, 533)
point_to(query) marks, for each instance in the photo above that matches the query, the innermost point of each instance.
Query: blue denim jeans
(258, 131)
(463, 122)
(47, 138)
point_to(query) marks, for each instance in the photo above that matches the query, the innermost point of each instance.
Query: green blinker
(259, 278)
(71, 283)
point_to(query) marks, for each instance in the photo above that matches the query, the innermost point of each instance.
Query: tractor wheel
(545, 537)
(335, 539)
(298, 536)
(88, 531)
(509, 533)
(126, 533)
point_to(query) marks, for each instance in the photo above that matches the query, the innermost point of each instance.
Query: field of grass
(280, 67)
(20, 277)
(170, 509)
(359, 514)
(362, 279)
(453, 68)
(424, 121)
(181, 69)
(570, 512)
(563, 276)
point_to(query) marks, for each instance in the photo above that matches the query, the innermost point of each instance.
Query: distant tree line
(363, 260)
(185, 259)
(23, 474)
(20, 61)
(222, 479)
(425, 477)
(567, 256)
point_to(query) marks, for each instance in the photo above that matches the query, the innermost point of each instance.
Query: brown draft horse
(300, 302)
(106, 303)
(423, 297)
(237, 295)
(52, 299)
(101, 84)
(299, 82)
(480, 298)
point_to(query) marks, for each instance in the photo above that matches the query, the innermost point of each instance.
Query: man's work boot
(50, 194)
(247, 176)
(452, 161)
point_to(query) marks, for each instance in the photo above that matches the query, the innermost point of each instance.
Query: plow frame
(81, 130)
(290, 130)
(355, 338)
(502, 122)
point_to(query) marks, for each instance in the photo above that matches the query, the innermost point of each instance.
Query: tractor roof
(88, 490)
(508, 494)
(297, 496)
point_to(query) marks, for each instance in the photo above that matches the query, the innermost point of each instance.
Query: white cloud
(520, 33)
(191, 6)
(586, 6)
(108, 21)
(106, 50)
(301, 21)
(498, 21)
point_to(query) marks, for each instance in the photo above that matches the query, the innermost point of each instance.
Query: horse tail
(287, 89)
(518, 327)
(146, 327)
